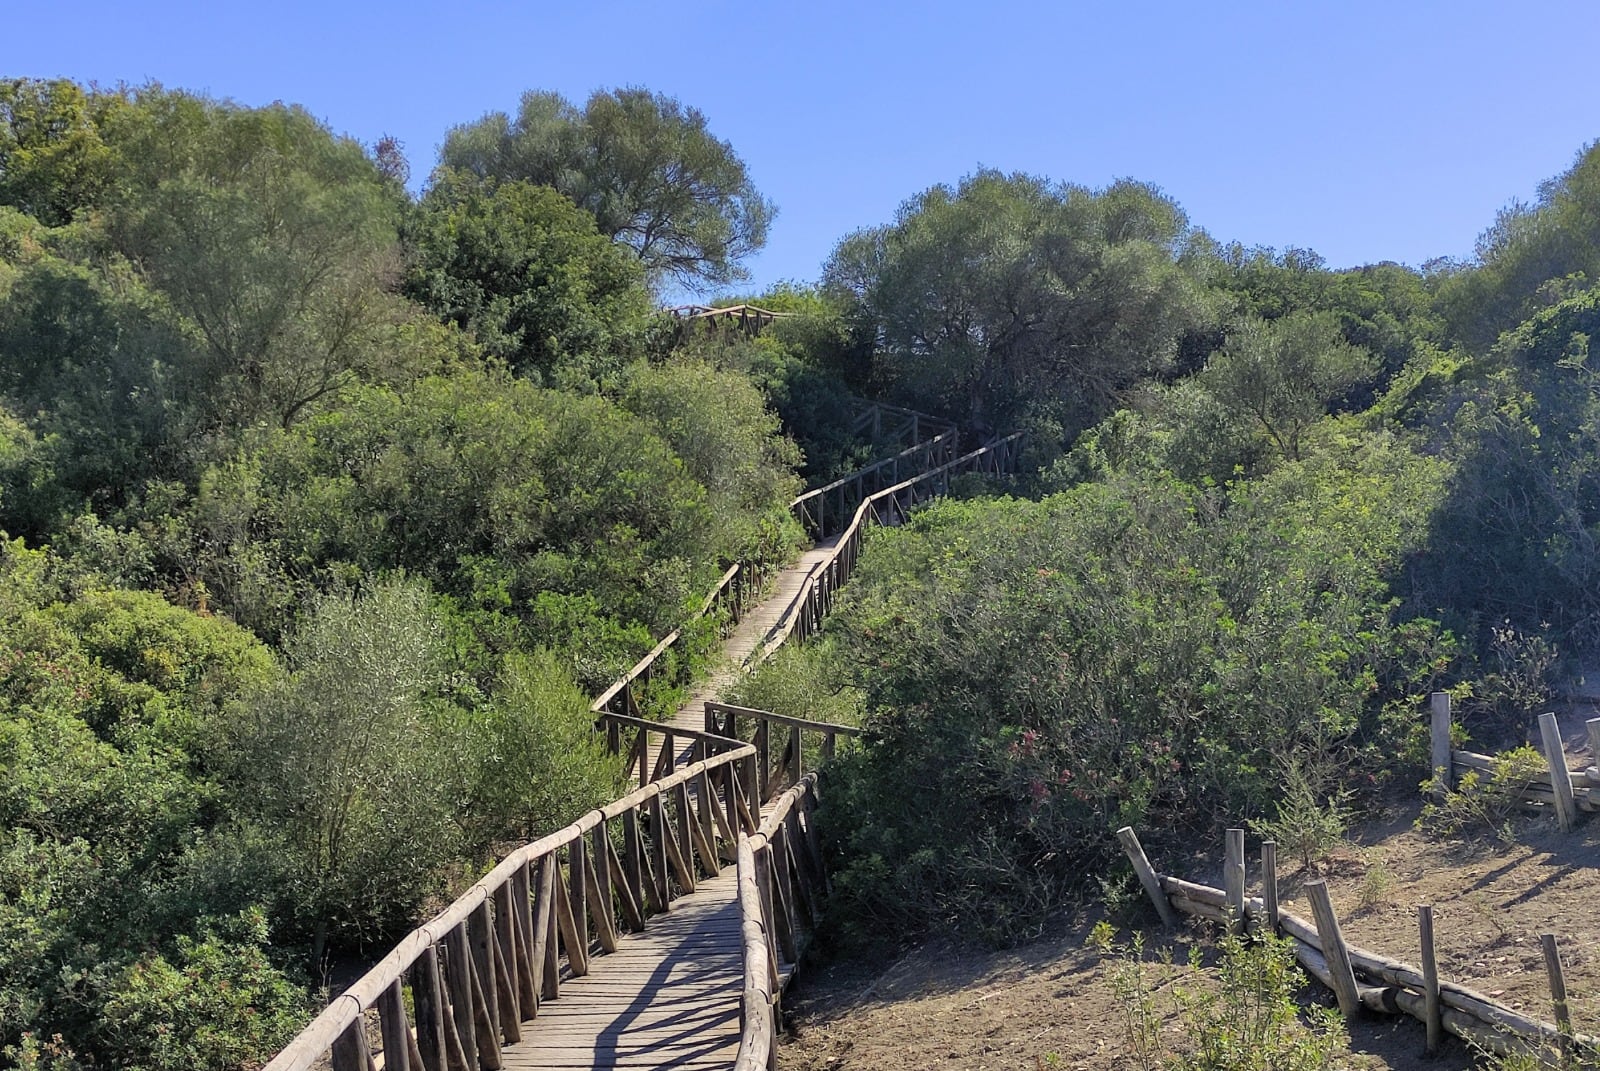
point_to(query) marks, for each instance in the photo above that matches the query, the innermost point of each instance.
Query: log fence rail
(1557, 788)
(890, 506)
(1363, 980)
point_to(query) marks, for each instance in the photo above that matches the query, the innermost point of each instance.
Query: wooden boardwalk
(668, 997)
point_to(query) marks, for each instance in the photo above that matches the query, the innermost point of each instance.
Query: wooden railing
(742, 581)
(889, 506)
(479, 969)
(826, 510)
(882, 422)
(781, 881)
(758, 727)
(739, 587)
(632, 737)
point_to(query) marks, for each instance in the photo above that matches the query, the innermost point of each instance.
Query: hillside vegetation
(326, 507)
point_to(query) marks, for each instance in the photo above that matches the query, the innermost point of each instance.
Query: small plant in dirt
(1241, 1016)
(1134, 980)
(1376, 882)
(1251, 1022)
(1484, 803)
(1311, 821)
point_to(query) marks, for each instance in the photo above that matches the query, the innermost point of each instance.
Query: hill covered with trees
(326, 507)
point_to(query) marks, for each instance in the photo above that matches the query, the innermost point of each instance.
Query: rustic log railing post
(1555, 757)
(1430, 979)
(1147, 876)
(1269, 884)
(459, 984)
(350, 1050)
(1233, 878)
(1334, 949)
(1439, 736)
(763, 759)
(395, 1031)
(1558, 993)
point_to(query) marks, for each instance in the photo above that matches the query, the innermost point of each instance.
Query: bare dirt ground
(1051, 1005)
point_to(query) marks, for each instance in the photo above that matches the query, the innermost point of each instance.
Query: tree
(273, 238)
(1282, 375)
(1010, 294)
(53, 160)
(107, 381)
(718, 423)
(496, 491)
(643, 164)
(525, 271)
(347, 764)
(1533, 256)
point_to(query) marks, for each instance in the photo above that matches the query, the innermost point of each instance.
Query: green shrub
(1480, 804)
(218, 1002)
(540, 764)
(1239, 1015)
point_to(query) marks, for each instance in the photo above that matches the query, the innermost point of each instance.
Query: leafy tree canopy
(1534, 255)
(644, 165)
(525, 271)
(1010, 294)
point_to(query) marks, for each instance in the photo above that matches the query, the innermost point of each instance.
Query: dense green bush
(1133, 651)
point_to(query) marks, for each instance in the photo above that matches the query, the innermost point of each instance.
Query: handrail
(742, 579)
(702, 744)
(736, 589)
(780, 875)
(811, 509)
(724, 720)
(804, 614)
(500, 942)
(872, 416)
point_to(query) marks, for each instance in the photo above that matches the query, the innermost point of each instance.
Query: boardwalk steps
(657, 931)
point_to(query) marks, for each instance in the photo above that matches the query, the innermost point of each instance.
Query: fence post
(1269, 883)
(1233, 878)
(1555, 757)
(1334, 950)
(1430, 979)
(1558, 993)
(1443, 773)
(1147, 876)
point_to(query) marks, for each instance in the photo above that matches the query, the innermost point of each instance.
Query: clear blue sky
(1366, 131)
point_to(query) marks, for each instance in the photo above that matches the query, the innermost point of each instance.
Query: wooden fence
(781, 882)
(757, 727)
(889, 506)
(927, 442)
(739, 588)
(1361, 979)
(1558, 788)
(884, 423)
(741, 584)
(823, 512)
(479, 969)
